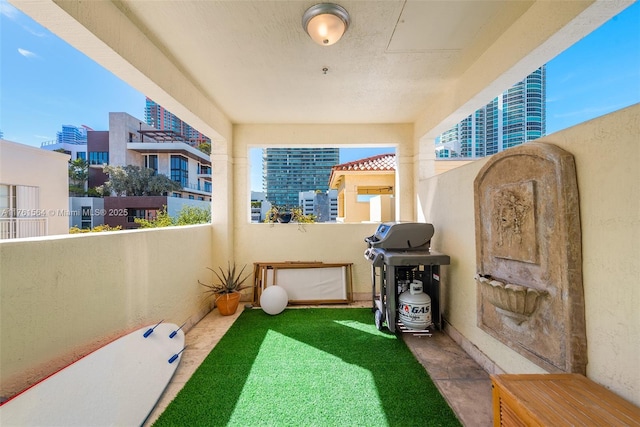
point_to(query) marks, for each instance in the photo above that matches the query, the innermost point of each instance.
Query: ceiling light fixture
(325, 23)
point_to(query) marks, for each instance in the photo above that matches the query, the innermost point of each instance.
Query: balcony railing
(205, 188)
(16, 228)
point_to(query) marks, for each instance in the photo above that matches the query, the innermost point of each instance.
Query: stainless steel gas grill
(399, 253)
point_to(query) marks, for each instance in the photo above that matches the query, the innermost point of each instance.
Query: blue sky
(45, 83)
(597, 75)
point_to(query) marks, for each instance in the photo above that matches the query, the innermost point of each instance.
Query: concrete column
(404, 203)
(222, 203)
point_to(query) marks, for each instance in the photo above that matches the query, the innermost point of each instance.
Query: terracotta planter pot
(228, 303)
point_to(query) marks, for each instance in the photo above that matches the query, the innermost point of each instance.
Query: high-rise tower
(72, 134)
(288, 171)
(516, 116)
(162, 119)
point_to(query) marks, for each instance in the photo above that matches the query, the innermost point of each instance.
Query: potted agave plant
(227, 290)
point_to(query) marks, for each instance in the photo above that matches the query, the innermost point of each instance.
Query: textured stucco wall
(62, 297)
(607, 156)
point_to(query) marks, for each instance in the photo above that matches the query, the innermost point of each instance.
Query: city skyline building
(288, 171)
(129, 142)
(162, 119)
(260, 206)
(72, 134)
(516, 116)
(71, 140)
(324, 206)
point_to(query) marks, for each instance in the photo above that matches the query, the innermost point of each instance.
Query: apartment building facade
(516, 116)
(323, 205)
(72, 134)
(71, 140)
(130, 141)
(33, 192)
(160, 118)
(259, 206)
(288, 171)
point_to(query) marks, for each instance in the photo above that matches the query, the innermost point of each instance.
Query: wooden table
(557, 400)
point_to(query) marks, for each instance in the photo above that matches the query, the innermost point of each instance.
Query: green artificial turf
(320, 367)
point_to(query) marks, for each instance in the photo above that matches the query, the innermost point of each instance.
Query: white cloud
(27, 53)
(15, 15)
(36, 33)
(7, 10)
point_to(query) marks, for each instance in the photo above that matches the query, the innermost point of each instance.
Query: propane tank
(415, 307)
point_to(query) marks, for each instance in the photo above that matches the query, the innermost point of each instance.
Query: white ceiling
(254, 60)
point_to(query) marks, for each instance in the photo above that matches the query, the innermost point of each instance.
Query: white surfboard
(116, 385)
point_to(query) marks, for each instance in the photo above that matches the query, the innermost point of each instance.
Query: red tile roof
(381, 162)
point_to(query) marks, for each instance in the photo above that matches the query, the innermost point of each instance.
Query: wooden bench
(557, 400)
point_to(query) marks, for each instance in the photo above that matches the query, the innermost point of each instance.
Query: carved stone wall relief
(529, 257)
(514, 223)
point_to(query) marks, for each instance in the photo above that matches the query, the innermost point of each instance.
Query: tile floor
(463, 383)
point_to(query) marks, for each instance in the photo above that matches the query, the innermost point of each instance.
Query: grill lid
(402, 236)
